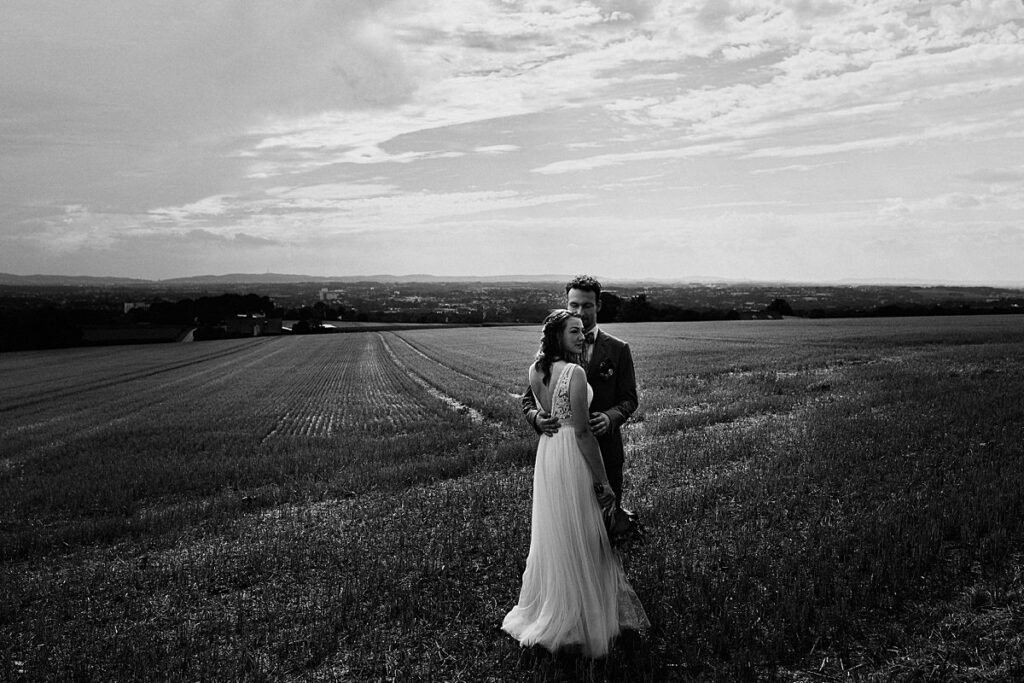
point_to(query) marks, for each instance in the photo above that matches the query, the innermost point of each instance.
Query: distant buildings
(135, 306)
(251, 325)
(330, 294)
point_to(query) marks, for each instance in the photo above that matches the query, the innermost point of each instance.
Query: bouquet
(623, 526)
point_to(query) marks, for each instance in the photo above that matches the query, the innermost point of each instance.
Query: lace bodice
(561, 406)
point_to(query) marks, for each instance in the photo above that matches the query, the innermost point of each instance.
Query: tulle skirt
(574, 590)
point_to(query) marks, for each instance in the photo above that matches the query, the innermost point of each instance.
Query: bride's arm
(584, 437)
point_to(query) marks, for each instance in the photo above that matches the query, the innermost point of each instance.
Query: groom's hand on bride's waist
(547, 424)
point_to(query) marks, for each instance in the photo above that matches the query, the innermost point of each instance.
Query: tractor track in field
(452, 402)
(450, 368)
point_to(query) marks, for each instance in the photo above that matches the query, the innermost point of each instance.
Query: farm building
(252, 325)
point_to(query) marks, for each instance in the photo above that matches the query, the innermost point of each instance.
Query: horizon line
(522, 277)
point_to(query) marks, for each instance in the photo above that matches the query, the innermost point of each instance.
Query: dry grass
(820, 506)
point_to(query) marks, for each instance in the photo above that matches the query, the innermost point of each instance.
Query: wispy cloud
(604, 160)
(238, 131)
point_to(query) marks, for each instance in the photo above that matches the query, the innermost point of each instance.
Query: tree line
(50, 325)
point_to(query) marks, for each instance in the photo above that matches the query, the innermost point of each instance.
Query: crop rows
(133, 432)
(818, 495)
(487, 395)
(496, 357)
(301, 387)
(99, 392)
(355, 388)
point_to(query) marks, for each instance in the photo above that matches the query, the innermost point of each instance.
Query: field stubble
(824, 501)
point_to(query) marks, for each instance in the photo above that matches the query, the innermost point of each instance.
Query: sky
(783, 140)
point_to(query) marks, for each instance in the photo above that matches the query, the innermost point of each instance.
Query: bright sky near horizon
(792, 140)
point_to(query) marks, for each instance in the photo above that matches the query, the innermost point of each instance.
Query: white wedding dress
(574, 590)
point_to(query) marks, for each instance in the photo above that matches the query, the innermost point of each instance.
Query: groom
(609, 366)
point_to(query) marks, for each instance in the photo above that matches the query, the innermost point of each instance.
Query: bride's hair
(551, 342)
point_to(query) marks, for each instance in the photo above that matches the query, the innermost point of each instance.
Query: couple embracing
(574, 593)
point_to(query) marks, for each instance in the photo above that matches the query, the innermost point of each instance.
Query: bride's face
(572, 336)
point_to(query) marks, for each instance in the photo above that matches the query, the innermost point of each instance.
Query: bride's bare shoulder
(576, 373)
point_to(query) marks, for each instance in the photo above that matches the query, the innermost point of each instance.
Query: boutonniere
(605, 370)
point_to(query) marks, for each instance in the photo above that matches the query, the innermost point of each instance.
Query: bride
(574, 591)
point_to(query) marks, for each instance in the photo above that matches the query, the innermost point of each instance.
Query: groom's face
(585, 305)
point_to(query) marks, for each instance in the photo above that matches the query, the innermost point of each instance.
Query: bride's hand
(600, 423)
(605, 495)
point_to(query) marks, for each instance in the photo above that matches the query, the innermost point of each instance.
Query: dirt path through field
(453, 403)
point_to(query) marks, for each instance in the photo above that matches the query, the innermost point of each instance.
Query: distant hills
(272, 278)
(257, 278)
(285, 278)
(68, 280)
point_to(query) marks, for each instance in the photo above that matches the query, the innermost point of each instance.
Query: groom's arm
(530, 409)
(541, 421)
(626, 398)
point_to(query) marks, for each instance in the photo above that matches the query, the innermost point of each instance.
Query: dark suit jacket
(611, 374)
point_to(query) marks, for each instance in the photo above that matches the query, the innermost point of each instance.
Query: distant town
(41, 313)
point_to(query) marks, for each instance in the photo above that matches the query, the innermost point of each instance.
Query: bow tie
(590, 337)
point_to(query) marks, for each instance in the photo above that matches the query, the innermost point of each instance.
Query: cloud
(234, 124)
(294, 215)
(938, 131)
(959, 200)
(330, 191)
(790, 168)
(974, 15)
(745, 51)
(372, 154)
(714, 14)
(996, 175)
(605, 160)
(204, 208)
(157, 67)
(140, 103)
(938, 204)
(239, 239)
(497, 149)
(556, 52)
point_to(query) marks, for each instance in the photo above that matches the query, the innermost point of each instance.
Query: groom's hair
(585, 283)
